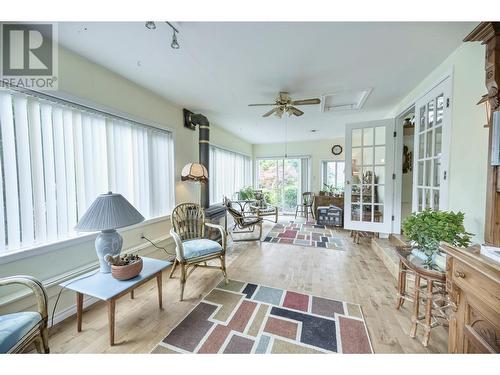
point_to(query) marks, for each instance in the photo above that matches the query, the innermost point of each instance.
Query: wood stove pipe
(204, 151)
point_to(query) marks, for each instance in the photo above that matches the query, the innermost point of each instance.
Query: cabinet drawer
(477, 284)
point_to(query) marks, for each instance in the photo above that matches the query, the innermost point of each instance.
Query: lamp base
(107, 242)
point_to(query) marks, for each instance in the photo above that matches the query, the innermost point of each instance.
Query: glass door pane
(368, 164)
(291, 185)
(428, 156)
(280, 180)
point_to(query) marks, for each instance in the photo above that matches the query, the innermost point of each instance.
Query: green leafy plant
(246, 193)
(428, 228)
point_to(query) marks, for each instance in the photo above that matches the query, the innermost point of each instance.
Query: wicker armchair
(243, 222)
(192, 248)
(261, 208)
(19, 330)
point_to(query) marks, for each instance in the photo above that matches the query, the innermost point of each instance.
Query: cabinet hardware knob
(459, 274)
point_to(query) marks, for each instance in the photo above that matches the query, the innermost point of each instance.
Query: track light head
(150, 25)
(174, 44)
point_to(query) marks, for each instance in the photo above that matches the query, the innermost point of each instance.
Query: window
(332, 173)
(229, 172)
(56, 157)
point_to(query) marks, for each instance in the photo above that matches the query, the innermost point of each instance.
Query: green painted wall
(317, 150)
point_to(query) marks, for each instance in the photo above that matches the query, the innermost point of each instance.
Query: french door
(368, 173)
(431, 149)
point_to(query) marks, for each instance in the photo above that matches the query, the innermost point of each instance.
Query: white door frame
(398, 172)
(398, 159)
(386, 225)
(444, 87)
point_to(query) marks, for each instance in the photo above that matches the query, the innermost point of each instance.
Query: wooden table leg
(158, 281)
(428, 313)
(132, 294)
(416, 305)
(111, 321)
(401, 289)
(79, 311)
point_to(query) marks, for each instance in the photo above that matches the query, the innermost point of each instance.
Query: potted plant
(330, 189)
(426, 229)
(246, 193)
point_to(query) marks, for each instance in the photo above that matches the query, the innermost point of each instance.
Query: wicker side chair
(19, 330)
(243, 222)
(192, 248)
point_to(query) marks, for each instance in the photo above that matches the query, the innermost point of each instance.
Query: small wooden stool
(432, 293)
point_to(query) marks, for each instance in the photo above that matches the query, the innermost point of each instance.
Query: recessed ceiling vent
(347, 100)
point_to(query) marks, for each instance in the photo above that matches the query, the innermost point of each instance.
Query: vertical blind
(56, 158)
(229, 172)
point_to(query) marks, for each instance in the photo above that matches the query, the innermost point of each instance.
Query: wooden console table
(473, 284)
(105, 287)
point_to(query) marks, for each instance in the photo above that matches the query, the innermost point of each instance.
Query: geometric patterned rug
(241, 317)
(304, 234)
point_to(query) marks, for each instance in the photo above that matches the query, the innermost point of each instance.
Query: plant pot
(436, 259)
(127, 272)
(321, 193)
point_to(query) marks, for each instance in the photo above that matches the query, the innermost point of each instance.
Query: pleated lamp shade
(109, 211)
(194, 172)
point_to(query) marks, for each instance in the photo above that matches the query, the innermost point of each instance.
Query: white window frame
(76, 238)
(322, 171)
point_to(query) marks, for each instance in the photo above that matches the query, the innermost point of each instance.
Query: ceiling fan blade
(295, 111)
(256, 105)
(306, 101)
(267, 114)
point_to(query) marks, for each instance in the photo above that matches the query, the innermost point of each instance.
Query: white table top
(104, 286)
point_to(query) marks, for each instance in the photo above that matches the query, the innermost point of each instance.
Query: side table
(429, 289)
(106, 288)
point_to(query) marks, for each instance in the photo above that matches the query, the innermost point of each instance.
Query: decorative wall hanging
(407, 160)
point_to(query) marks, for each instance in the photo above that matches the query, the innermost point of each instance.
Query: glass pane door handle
(347, 182)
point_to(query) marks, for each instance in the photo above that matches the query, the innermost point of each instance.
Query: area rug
(241, 317)
(304, 234)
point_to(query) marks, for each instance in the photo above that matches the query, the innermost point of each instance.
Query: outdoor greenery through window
(283, 181)
(229, 172)
(56, 157)
(332, 176)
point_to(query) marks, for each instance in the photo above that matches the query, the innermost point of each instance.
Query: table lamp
(108, 212)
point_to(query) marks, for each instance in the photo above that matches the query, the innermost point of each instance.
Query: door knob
(459, 274)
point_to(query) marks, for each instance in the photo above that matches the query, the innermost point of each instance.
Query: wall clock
(337, 149)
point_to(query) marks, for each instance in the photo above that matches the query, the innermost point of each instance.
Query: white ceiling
(222, 67)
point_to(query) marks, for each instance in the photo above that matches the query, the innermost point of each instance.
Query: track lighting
(175, 44)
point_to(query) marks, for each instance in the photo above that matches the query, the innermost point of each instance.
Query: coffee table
(105, 287)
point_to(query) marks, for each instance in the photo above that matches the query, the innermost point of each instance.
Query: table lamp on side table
(108, 212)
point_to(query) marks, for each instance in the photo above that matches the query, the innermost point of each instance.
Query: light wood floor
(354, 275)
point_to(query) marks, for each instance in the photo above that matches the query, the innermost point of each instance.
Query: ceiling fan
(285, 104)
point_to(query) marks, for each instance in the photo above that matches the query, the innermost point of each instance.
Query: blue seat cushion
(200, 247)
(13, 327)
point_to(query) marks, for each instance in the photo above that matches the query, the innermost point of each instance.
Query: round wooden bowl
(126, 272)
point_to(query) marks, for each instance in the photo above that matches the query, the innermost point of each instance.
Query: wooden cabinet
(473, 285)
(326, 200)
